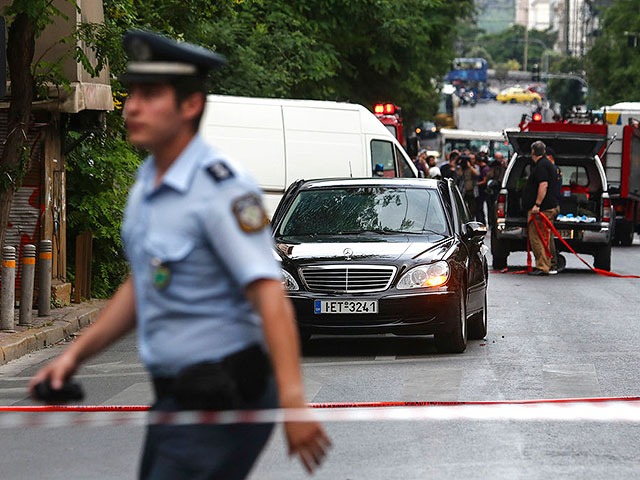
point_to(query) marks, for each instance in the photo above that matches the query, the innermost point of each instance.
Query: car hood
(369, 251)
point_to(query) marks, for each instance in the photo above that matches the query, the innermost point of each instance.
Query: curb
(33, 339)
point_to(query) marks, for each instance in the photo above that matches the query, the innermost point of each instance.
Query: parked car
(587, 221)
(401, 256)
(518, 95)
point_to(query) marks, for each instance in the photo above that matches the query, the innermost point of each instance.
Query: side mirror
(475, 230)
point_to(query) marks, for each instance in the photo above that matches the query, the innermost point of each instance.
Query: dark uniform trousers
(205, 452)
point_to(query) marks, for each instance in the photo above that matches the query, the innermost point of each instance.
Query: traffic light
(535, 72)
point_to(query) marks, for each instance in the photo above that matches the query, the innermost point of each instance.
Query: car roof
(370, 182)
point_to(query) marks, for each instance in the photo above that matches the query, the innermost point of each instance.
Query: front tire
(456, 340)
(602, 258)
(478, 322)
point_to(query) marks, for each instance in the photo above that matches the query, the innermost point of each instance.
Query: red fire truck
(390, 116)
(621, 160)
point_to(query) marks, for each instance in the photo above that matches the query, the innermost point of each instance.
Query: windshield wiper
(364, 232)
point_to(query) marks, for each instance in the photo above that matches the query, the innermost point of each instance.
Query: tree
(566, 91)
(509, 44)
(613, 63)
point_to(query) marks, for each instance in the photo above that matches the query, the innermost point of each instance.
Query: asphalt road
(571, 335)
(492, 116)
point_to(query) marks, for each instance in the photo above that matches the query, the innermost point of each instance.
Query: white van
(281, 141)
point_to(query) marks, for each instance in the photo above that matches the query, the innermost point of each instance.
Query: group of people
(476, 175)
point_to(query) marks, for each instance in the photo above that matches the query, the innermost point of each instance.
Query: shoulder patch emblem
(250, 213)
(220, 172)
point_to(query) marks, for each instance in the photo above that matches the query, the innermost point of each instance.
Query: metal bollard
(44, 285)
(26, 284)
(8, 301)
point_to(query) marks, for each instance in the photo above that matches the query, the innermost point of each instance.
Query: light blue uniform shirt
(204, 225)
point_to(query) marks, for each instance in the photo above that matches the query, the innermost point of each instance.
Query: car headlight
(432, 275)
(288, 282)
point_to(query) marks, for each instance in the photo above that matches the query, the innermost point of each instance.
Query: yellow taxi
(517, 94)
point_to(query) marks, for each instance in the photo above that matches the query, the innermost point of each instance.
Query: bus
(469, 74)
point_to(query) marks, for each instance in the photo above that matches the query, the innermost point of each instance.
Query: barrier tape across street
(612, 409)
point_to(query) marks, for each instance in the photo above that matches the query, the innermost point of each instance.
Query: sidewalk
(48, 330)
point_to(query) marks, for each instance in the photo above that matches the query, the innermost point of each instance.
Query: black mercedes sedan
(383, 255)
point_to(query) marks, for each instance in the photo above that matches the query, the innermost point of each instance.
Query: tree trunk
(20, 50)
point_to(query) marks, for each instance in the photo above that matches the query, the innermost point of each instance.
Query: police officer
(205, 289)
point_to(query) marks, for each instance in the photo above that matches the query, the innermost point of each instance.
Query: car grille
(347, 279)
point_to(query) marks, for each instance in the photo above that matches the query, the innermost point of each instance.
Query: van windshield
(365, 211)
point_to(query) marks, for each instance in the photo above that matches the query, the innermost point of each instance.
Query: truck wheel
(625, 235)
(456, 340)
(500, 252)
(478, 322)
(602, 258)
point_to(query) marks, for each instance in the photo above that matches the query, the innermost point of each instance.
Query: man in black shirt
(448, 170)
(539, 197)
(551, 155)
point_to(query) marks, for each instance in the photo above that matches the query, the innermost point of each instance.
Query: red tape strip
(144, 408)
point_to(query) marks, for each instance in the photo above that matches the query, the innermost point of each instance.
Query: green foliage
(42, 11)
(613, 66)
(100, 171)
(509, 44)
(567, 92)
(363, 51)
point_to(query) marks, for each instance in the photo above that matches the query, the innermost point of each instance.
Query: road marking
(567, 381)
(383, 358)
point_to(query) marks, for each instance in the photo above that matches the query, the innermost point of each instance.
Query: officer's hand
(309, 441)
(57, 372)
(535, 209)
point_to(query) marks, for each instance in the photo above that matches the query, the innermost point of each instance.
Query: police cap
(154, 58)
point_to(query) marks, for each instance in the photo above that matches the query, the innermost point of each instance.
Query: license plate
(345, 306)
(566, 233)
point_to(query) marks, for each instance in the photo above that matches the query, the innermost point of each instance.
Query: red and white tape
(621, 409)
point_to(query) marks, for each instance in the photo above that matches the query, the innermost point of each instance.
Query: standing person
(539, 197)
(448, 169)
(468, 182)
(215, 329)
(557, 191)
(482, 180)
(421, 163)
(434, 170)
